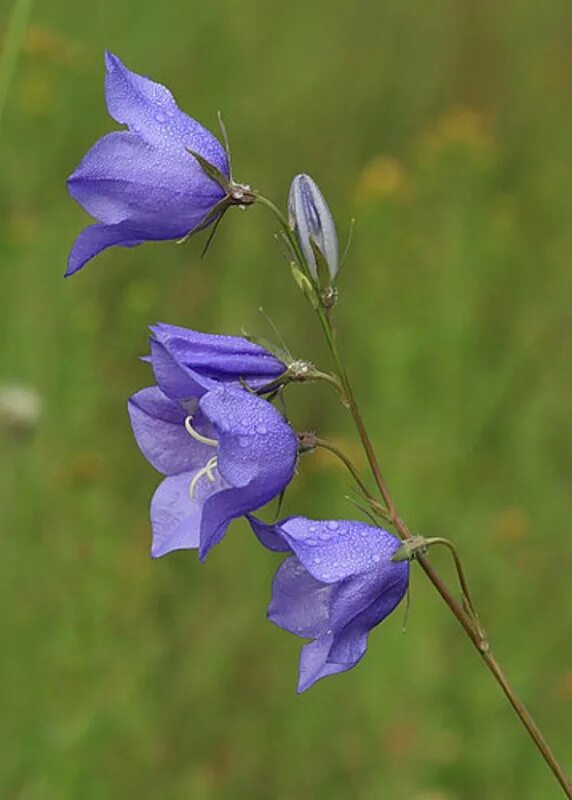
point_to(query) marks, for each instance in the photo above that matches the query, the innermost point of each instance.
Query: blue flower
(188, 363)
(312, 221)
(144, 184)
(338, 583)
(225, 454)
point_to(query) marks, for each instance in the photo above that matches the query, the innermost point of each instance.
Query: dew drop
(243, 441)
(376, 558)
(363, 532)
(325, 536)
(261, 429)
(333, 525)
(317, 560)
(311, 542)
(312, 529)
(160, 117)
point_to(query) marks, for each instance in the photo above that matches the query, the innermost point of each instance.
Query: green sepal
(211, 171)
(304, 284)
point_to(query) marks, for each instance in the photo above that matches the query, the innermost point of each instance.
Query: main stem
(469, 624)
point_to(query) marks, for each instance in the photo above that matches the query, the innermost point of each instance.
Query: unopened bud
(310, 218)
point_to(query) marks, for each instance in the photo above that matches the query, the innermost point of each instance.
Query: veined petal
(222, 358)
(335, 550)
(268, 535)
(300, 603)
(174, 378)
(257, 447)
(123, 177)
(149, 109)
(175, 517)
(95, 238)
(314, 662)
(159, 427)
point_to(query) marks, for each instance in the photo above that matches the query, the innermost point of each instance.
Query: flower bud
(311, 219)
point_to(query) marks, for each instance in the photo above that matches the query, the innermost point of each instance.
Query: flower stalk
(465, 614)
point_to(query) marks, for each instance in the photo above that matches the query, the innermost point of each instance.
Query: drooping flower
(312, 221)
(188, 363)
(143, 184)
(225, 454)
(338, 583)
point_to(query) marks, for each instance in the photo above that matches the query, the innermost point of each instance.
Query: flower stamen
(198, 436)
(207, 470)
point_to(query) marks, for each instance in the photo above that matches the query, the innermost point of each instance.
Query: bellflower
(188, 363)
(223, 455)
(313, 224)
(143, 184)
(338, 583)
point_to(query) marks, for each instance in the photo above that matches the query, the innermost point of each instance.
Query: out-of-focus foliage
(445, 128)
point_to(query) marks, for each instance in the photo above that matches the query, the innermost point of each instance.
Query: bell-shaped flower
(338, 583)
(144, 183)
(189, 363)
(224, 455)
(312, 221)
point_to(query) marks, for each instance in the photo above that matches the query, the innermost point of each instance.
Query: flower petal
(256, 445)
(350, 642)
(314, 663)
(148, 108)
(175, 518)
(335, 550)
(123, 177)
(300, 603)
(222, 358)
(268, 535)
(95, 238)
(159, 427)
(176, 380)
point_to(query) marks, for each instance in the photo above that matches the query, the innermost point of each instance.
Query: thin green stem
(467, 599)
(17, 24)
(325, 445)
(469, 624)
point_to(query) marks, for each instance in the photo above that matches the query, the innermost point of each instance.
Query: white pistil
(198, 436)
(207, 470)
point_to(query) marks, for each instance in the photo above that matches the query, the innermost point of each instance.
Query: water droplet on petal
(243, 441)
(325, 536)
(312, 529)
(376, 558)
(160, 117)
(363, 531)
(261, 429)
(332, 525)
(311, 542)
(317, 560)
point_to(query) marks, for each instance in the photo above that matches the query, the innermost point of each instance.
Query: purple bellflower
(188, 363)
(149, 182)
(338, 583)
(225, 454)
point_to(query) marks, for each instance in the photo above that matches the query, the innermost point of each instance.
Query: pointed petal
(175, 518)
(124, 178)
(268, 535)
(224, 358)
(95, 238)
(300, 603)
(314, 663)
(257, 446)
(159, 427)
(149, 109)
(174, 378)
(335, 550)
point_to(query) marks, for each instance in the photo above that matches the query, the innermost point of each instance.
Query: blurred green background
(444, 127)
